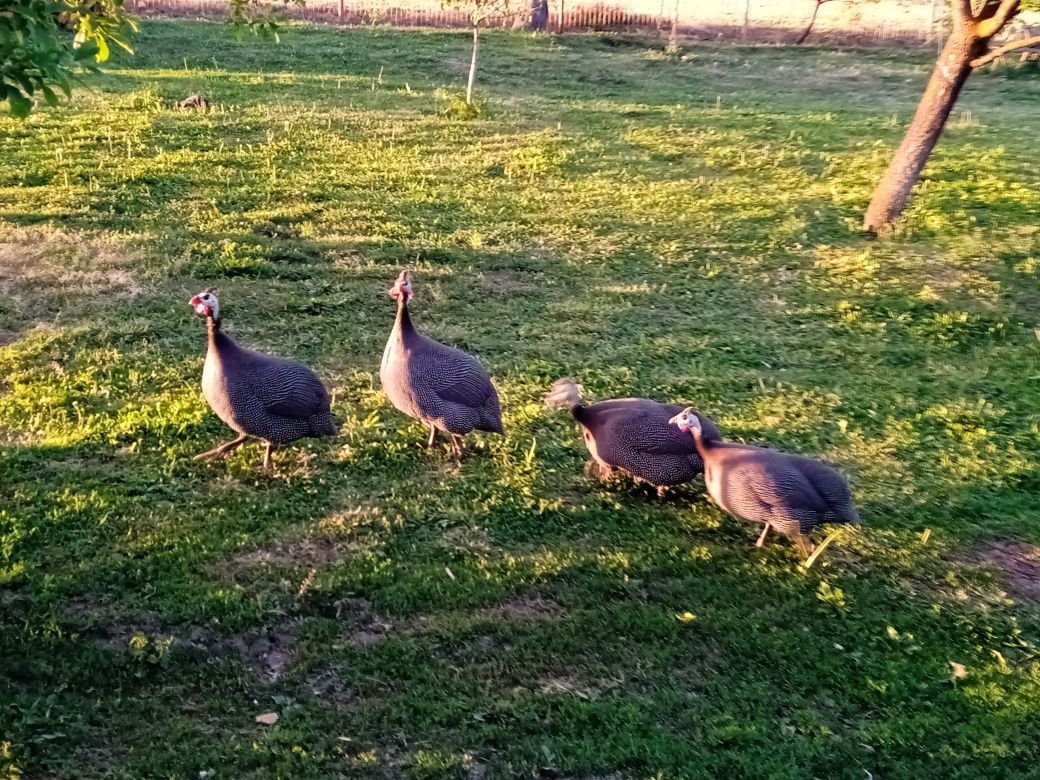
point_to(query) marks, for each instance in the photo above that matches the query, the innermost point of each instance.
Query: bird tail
(324, 425)
(851, 516)
(491, 419)
(565, 394)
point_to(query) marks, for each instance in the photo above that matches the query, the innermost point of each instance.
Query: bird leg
(221, 452)
(600, 471)
(433, 438)
(662, 491)
(267, 456)
(762, 539)
(456, 446)
(804, 544)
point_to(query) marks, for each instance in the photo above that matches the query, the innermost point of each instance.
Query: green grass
(678, 227)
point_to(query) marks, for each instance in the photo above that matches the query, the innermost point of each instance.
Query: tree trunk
(472, 67)
(746, 29)
(951, 71)
(539, 14)
(808, 27)
(673, 37)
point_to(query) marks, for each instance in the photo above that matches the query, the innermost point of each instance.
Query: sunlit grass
(678, 227)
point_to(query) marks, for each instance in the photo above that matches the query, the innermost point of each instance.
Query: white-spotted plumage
(632, 434)
(259, 396)
(789, 493)
(443, 387)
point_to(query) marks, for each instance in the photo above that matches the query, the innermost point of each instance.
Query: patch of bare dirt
(1015, 563)
(330, 685)
(506, 283)
(577, 686)
(41, 277)
(299, 552)
(268, 651)
(524, 608)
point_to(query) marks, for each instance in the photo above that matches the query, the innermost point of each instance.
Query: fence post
(341, 9)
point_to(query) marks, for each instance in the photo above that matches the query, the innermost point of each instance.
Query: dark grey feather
(438, 385)
(270, 398)
(633, 434)
(793, 494)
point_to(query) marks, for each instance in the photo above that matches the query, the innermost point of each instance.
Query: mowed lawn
(685, 228)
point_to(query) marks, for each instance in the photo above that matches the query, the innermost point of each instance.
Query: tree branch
(962, 11)
(991, 25)
(1023, 43)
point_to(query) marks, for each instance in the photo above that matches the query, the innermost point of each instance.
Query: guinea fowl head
(206, 303)
(402, 288)
(688, 421)
(565, 394)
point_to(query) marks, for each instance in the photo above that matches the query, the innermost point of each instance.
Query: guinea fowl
(790, 493)
(442, 387)
(633, 435)
(272, 399)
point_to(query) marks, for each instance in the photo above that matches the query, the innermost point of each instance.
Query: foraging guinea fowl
(633, 434)
(790, 493)
(442, 387)
(272, 399)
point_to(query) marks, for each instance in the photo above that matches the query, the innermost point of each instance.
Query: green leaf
(85, 51)
(102, 47)
(19, 105)
(49, 96)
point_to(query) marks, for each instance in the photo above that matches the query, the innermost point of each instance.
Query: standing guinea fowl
(633, 434)
(789, 493)
(272, 399)
(442, 387)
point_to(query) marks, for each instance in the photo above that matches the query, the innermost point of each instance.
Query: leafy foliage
(46, 44)
(39, 57)
(256, 17)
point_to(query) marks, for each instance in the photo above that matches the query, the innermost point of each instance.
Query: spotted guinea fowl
(272, 399)
(442, 387)
(633, 435)
(789, 493)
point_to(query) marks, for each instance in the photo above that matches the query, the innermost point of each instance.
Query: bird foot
(221, 452)
(215, 454)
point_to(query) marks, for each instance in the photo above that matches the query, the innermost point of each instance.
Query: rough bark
(673, 36)
(539, 14)
(951, 71)
(472, 67)
(812, 21)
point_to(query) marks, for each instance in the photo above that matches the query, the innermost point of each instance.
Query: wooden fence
(580, 17)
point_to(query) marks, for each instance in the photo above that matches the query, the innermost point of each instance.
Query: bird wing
(800, 493)
(629, 427)
(452, 375)
(779, 483)
(645, 432)
(287, 388)
(832, 486)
